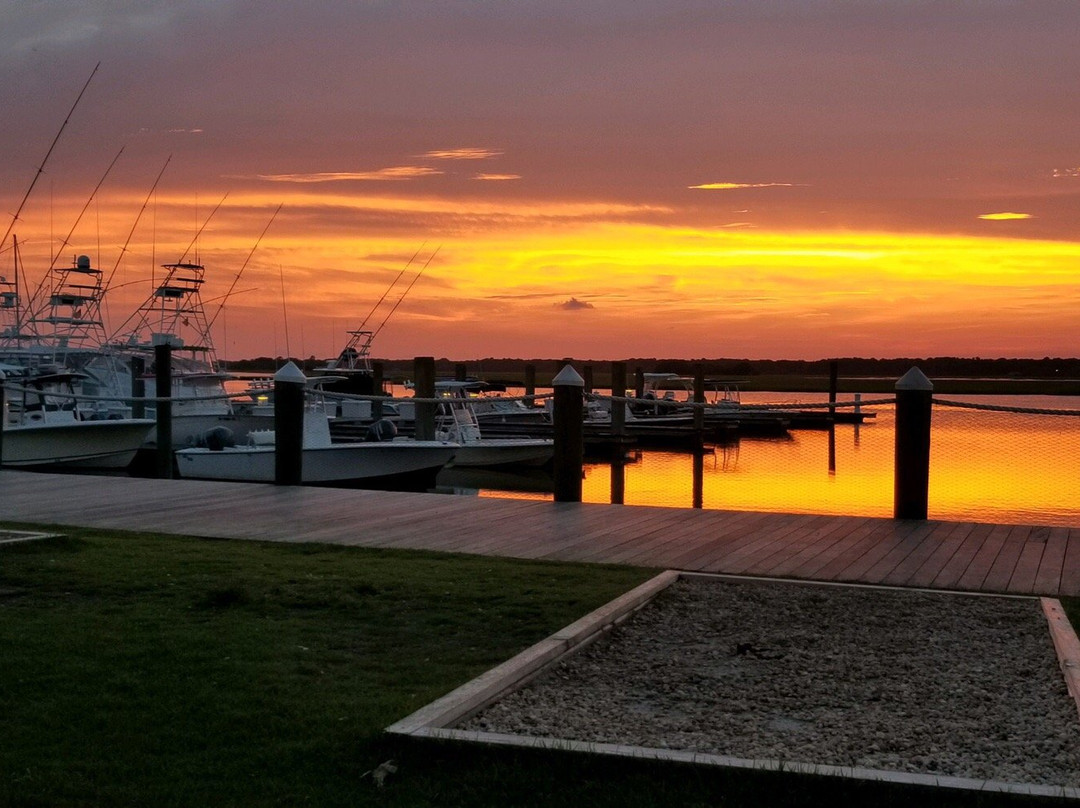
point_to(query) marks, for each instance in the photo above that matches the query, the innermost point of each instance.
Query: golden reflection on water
(984, 467)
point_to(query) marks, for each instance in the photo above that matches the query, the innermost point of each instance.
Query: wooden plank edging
(479, 692)
(1066, 644)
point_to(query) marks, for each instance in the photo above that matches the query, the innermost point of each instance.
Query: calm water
(984, 466)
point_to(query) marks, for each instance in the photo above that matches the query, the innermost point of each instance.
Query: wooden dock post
(587, 378)
(699, 402)
(914, 403)
(289, 425)
(834, 384)
(639, 382)
(698, 473)
(530, 380)
(618, 477)
(376, 389)
(138, 387)
(569, 434)
(163, 410)
(424, 372)
(618, 408)
(461, 372)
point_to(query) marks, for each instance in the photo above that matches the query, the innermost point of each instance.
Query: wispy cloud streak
(394, 174)
(734, 186)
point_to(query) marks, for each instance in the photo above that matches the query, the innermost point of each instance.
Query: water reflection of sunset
(984, 467)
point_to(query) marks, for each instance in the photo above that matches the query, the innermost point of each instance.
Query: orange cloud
(463, 154)
(497, 177)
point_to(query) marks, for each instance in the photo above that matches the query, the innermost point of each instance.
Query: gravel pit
(940, 684)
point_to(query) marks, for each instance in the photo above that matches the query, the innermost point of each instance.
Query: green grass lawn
(151, 670)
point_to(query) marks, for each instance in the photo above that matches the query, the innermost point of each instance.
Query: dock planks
(948, 555)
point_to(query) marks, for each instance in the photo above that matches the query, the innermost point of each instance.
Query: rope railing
(246, 394)
(1002, 408)
(532, 399)
(734, 406)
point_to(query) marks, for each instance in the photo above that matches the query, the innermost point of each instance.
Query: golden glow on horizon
(505, 270)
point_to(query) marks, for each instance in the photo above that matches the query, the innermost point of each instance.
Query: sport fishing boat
(381, 460)
(456, 421)
(43, 430)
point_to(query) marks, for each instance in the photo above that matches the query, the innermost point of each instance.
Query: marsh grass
(141, 669)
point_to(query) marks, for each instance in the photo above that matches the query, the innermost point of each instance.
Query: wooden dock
(943, 555)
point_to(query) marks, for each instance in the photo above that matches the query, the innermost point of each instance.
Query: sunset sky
(601, 179)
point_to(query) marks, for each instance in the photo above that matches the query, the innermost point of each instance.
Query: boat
(43, 430)
(382, 460)
(662, 405)
(456, 421)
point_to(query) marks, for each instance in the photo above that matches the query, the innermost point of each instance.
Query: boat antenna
(198, 232)
(406, 292)
(240, 272)
(41, 168)
(285, 312)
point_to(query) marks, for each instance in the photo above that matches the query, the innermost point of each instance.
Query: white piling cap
(290, 373)
(568, 377)
(914, 379)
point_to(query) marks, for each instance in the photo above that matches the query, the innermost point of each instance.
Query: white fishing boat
(42, 429)
(457, 422)
(382, 460)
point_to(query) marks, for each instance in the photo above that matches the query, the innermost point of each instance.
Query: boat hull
(490, 452)
(77, 444)
(364, 464)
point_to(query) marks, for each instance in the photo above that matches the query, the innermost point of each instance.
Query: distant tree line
(941, 367)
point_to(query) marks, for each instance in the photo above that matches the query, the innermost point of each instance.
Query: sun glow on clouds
(1004, 217)
(516, 275)
(497, 177)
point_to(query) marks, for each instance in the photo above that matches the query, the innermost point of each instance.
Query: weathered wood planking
(952, 555)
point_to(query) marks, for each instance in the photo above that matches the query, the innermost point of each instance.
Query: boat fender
(381, 430)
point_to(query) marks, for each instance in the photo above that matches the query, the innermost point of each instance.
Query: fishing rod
(236, 280)
(406, 292)
(41, 168)
(391, 286)
(135, 224)
(67, 239)
(198, 232)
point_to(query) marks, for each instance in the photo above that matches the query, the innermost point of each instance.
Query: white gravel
(908, 681)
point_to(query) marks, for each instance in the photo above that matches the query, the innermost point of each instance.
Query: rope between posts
(1002, 408)
(438, 400)
(664, 402)
(246, 394)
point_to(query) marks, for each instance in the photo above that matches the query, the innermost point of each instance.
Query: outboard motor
(216, 439)
(381, 430)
